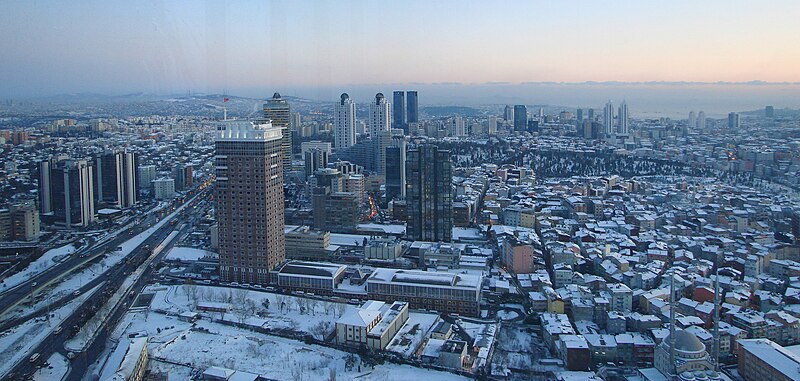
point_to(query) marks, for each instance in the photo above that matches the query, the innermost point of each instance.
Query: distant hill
(443, 111)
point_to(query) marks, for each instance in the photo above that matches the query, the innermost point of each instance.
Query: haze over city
(490, 49)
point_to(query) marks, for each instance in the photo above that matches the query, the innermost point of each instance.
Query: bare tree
(240, 296)
(340, 308)
(321, 329)
(280, 300)
(331, 374)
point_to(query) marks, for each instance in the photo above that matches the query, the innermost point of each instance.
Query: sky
(319, 48)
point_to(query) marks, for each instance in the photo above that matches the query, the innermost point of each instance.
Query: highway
(13, 297)
(111, 281)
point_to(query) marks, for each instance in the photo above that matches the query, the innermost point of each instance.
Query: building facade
(278, 111)
(344, 122)
(249, 200)
(429, 194)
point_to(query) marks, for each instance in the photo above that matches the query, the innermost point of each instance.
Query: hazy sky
(253, 47)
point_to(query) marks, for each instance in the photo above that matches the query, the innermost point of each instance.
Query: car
(76, 293)
(57, 330)
(34, 358)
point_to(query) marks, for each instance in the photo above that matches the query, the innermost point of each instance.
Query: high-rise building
(380, 143)
(456, 126)
(378, 116)
(590, 114)
(579, 115)
(164, 188)
(344, 119)
(769, 112)
(70, 190)
(399, 110)
(429, 194)
(24, 221)
(278, 111)
(130, 179)
(116, 178)
(733, 120)
(412, 108)
(396, 168)
(249, 189)
(701, 120)
(692, 123)
(296, 123)
(315, 159)
(608, 118)
(520, 118)
(145, 176)
(45, 197)
(492, 128)
(183, 174)
(508, 113)
(622, 119)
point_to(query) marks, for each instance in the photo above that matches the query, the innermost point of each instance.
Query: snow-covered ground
(56, 370)
(412, 333)
(17, 343)
(187, 254)
(46, 261)
(283, 312)
(507, 315)
(212, 344)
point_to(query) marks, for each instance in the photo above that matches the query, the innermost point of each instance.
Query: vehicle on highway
(57, 330)
(34, 358)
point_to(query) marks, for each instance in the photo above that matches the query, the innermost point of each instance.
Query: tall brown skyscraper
(249, 193)
(278, 111)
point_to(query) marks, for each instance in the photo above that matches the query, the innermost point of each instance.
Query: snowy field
(17, 343)
(47, 260)
(305, 315)
(187, 254)
(208, 343)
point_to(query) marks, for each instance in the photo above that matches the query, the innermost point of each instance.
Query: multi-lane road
(110, 281)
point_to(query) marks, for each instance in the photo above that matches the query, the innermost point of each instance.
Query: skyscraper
(399, 110)
(378, 116)
(412, 110)
(622, 119)
(692, 123)
(344, 120)
(608, 118)
(579, 115)
(116, 178)
(249, 190)
(315, 159)
(733, 120)
(520, 118)
(71, 191)
(279, 112)
(701, 120)
(396, 169)
(429, 194)
(769, 112)
(590, 115)
(508, 113)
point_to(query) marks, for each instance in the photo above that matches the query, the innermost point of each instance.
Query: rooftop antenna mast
(225, 99)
